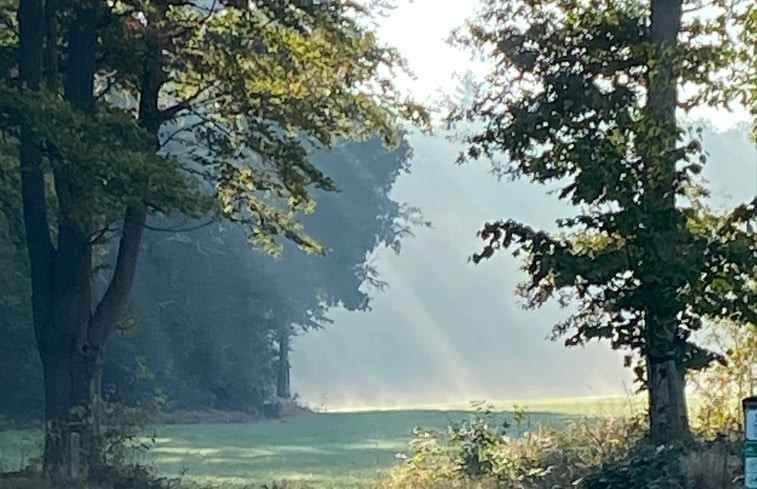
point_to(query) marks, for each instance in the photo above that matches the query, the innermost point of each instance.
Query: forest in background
(209, 316)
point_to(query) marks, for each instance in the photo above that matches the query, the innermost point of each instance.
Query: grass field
(328, 449)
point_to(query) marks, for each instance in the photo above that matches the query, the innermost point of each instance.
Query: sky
(448, 330)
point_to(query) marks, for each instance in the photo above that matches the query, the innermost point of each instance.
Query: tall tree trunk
(51, 68)
(67, 359)
(36, 225)
(665, 373)
(51, 329)
(283, 389)
(68, 356)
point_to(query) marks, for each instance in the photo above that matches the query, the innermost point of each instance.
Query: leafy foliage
(742, 52)
(246, 94)
(723, 386)
(249, 92)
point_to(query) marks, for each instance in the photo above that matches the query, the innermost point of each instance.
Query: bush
(724, 385)
(703, 465)
(646, 467)
(479, 453)
(714, 465)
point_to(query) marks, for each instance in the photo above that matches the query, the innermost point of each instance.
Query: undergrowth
(607, 453)
(479, 453)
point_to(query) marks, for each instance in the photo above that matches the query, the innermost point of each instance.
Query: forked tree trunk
(66, 349)
(70, 336)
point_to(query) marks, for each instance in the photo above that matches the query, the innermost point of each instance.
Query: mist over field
(450, 331)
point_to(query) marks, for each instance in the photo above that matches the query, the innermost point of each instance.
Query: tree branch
(170, 112)
(115, 298)
(164, 141)
(180, 230)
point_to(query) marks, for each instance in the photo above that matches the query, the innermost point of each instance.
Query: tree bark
(283, 389)
(51, 68)
(668, 412)
(54, 344)
(39, 243)
(668, 415)
(66, 357)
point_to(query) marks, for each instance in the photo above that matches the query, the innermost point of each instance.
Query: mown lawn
(328, 450)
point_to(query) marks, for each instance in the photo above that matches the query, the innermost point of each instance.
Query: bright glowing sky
(418, 28)
(448, 330)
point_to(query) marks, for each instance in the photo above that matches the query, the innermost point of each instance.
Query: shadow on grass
(334, 450)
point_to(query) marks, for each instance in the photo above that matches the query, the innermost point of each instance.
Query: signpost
(750, 443)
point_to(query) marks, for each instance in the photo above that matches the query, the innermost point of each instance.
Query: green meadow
(335, 450)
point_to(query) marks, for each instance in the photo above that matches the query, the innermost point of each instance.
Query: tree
(584, 93)
(349, 224)
(239, 87)
(201, 330)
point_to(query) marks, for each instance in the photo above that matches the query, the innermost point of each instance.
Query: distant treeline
(211, 316)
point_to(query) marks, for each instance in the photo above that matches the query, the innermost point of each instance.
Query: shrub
(116, 431)
(646, 467)
(724, 384)
(478, 453)
(713, 465)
